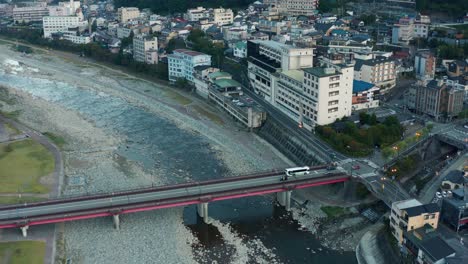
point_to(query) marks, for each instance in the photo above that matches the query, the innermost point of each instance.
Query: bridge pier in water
(24, 230)
(202, 209)
(116, 219)
(284, 198)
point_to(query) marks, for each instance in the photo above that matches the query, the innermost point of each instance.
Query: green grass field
(31, 252)
(12, 130)
(334, 211)
(22, 164)
(179, 98)
(58, 140)
(17, 200)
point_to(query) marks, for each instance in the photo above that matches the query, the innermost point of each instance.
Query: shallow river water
(158, 144)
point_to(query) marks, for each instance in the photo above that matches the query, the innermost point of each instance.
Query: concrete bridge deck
(114, 204)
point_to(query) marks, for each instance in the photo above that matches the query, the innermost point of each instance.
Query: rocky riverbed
(125, 132)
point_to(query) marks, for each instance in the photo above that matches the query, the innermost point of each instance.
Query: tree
(182, 83)
(368, 19)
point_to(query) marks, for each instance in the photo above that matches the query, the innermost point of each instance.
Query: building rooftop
(422, 209)
(321, 72)
(361, 86)
(215, 75)
(455, 176)
(372, 62)
(295, 74)
(241, 45)
(406, 203)
(189, 52)
(428, 240)
(225, 83)
(436, 248)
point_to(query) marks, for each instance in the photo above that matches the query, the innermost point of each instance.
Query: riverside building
(285, 77)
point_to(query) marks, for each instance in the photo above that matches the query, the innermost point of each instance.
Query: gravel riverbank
(94, 159)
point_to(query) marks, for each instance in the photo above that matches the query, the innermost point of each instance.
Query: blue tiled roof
(360, 86)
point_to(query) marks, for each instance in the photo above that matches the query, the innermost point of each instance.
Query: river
(156, 143)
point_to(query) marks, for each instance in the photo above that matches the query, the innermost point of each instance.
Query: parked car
(356, 167)
(438, 195)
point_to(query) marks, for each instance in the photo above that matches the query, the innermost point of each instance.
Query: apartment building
(30, 13)
(74, 37)
(440, 99)
(183, 61)
(427, 247)
(454, 210)
(379, 71)
(145, 49)
(240, 49)
(64, 8)
(315, 96)
(125, 14)
(285, 77)
(196, 14)
(365, 95)
(403, 31)
(56, 24)
(411, 214)
(424, 65)
(222, 16)
(422, 25)
(268, 57)
(293, 7)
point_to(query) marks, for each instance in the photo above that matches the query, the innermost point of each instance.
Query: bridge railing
(145, 189)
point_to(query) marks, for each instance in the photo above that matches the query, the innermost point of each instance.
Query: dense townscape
(365, 102)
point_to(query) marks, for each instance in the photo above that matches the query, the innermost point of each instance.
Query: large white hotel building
(285, 77)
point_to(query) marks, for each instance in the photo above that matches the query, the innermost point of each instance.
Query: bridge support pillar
(116, 219)
(24, 230)
(284, 198)
(202, 209)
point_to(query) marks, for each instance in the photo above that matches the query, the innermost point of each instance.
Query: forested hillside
(171, 6)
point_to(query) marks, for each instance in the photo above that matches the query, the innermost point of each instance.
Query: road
(51, 147)
(227, 188)
(302, 134)
(429, 191)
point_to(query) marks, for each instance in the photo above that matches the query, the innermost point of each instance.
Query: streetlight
(396, 149)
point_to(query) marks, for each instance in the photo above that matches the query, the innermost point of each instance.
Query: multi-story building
(294, 7)
(57, 24)
(182, 63)
(403, 31)
(330, 88)
(440, 99)
(426, 246)
(454, 210)
(222, 16)
(421, 26)
(379, 71)
(30, 13)
(283, 75)
(145, 49)
(424, 65)
(268, 57)
(6, 11)
(74, 37)
(196, 14)
(64, 8)
(125, 14)
(365, 95)
(411, 214)
(240, 49)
